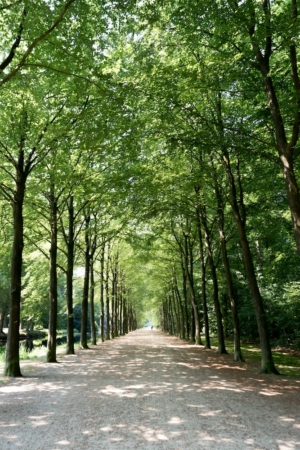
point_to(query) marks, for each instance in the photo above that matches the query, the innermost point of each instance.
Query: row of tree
(174, 126)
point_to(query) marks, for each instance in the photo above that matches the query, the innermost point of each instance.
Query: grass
(286, 363)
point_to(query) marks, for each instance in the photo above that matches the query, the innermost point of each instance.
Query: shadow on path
(148, 390)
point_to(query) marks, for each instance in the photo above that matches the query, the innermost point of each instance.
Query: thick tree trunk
(292, 192)
(267, 363)
(92, 305)
(69, 282)
(12, 364)
(51, 346)
(85, 294)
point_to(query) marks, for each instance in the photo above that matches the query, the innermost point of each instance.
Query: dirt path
(148, 391)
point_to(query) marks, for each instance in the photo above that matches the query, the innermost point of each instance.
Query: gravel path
(148, 390)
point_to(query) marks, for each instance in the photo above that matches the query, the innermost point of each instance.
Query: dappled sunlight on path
(148, 390)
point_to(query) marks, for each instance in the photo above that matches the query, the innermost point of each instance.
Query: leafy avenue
(149, 171)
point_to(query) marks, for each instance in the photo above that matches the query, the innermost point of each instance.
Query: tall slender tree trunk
(221, 341)
(113, 305)
(267, 363)
(107, 294)
(12, 363)
(116, 297)
(237, 356)
(203, 282)
(69, 282)
(92, 304)
(102, 258)
(125, 316)
(180, 306)
(177, 328)
(85, 294)
(121, 332)
(52, 330)
(185, 300)
(187, 259)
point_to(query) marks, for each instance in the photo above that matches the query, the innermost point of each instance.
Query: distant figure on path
(151, 327)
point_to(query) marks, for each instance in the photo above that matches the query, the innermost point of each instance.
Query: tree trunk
(12, 363)
(285, 149)
(69, 282)
(185, 300)
(107, 295)
(180, 306)
(121, 332)
(188, 270)
(125, 316)
(85, 294)
(92, 305)
(267, 363)
(174, 297)
(221, 341)
(51, 346)
(2, 316)
(237, 356)
(102, 290)
(116, 298)
(112, 306)
(203, 284)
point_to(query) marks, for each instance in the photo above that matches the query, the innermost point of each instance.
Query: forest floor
(148, 390)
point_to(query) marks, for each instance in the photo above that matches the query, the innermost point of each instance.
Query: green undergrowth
(287, 363)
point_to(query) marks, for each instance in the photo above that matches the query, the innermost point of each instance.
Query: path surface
(148, 391)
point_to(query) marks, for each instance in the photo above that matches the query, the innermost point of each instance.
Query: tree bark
(237, 353)
(185, 300)
(12, 363)
(92, 305)
(85, 294)
(102, 258)
(203, 283)
(221, 341)
(2, 317)
(180, 306)
(69, 282)
(52, 330)
(125, 315)
(188, 270)
(267, 363)
(107, 295)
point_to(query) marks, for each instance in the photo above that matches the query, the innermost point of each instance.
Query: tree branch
(15, 45)
(35, 42)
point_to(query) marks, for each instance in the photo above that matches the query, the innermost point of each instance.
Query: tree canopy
(153, 149)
